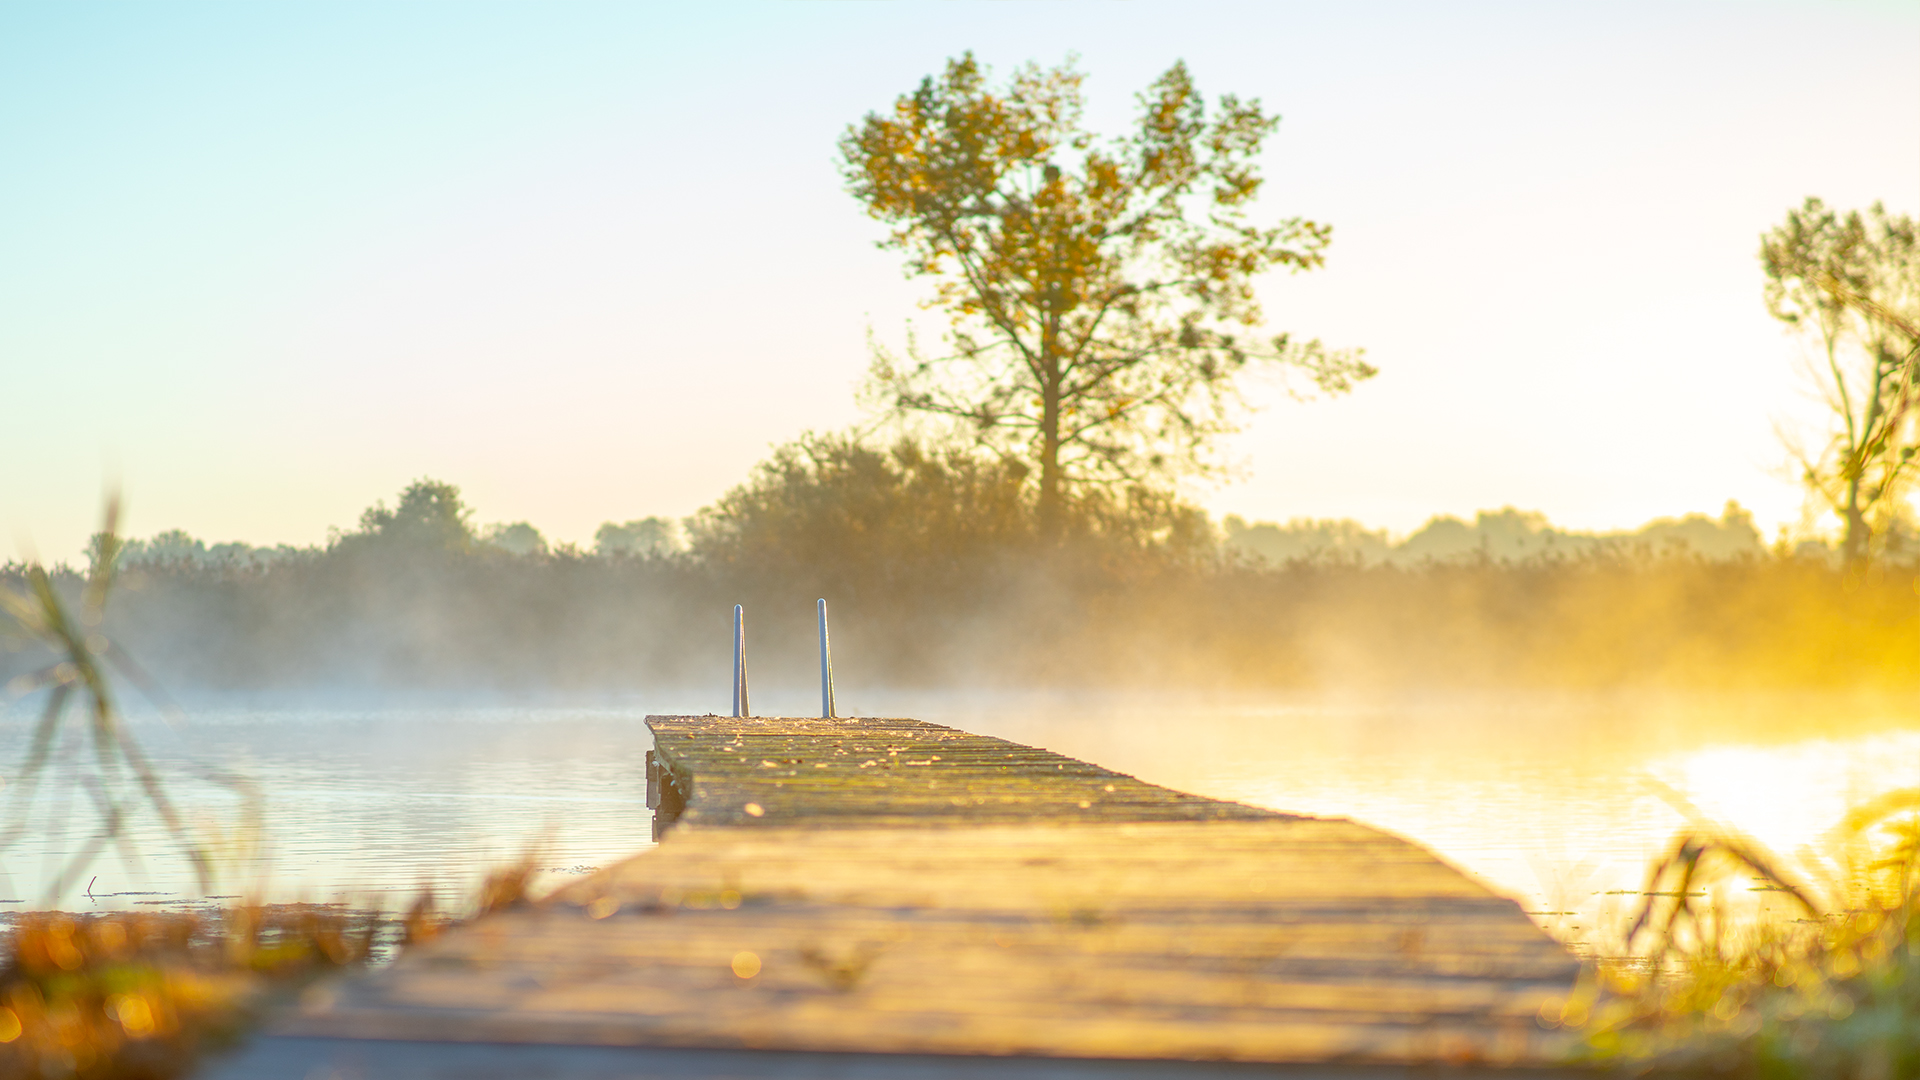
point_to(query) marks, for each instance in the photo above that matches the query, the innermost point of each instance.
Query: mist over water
(1559, 800)
(1556, 799)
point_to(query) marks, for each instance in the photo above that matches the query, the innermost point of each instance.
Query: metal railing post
(826, 667)
(740, 707)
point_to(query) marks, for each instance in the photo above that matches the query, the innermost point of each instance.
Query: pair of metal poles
(740, 707)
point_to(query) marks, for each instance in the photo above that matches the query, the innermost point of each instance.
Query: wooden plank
(887, 886)
(830, 773)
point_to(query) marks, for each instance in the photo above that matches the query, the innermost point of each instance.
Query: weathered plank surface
(902, 888)
(874, 772)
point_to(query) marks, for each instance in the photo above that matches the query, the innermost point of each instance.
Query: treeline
(1508, 535)
(938, 575)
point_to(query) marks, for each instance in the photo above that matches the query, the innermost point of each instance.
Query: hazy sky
(264, 264)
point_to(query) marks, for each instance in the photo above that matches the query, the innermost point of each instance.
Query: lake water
(1557, 800)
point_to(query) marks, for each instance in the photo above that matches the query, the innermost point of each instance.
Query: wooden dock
(894, 898)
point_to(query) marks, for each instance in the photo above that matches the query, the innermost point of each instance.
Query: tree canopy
(1100, 293)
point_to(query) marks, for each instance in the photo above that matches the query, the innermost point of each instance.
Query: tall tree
(1852, 282)
(1100, 292)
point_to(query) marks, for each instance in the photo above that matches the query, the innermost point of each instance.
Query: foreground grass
(145, 996)
(1834, 993)
(141, 996)
(1840, 999)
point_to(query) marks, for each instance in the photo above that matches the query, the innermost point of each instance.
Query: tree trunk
(1853, 548)
(1052, 518)
(1052, 499)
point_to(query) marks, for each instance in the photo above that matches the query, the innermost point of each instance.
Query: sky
(263, 265)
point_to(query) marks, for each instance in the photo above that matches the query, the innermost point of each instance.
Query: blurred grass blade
(81, 650)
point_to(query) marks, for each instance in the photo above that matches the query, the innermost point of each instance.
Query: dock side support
(826, 667)
(740, 707)
(666, 793)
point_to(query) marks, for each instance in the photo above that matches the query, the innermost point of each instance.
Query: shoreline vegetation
(938, 576)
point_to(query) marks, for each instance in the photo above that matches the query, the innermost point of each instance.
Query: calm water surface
(1556, 800)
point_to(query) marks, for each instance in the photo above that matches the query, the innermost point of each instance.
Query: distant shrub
(646, 537)
(518, 538)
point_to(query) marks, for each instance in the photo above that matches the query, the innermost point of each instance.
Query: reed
(81, 722)
(122, 996)
(1832, 993)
